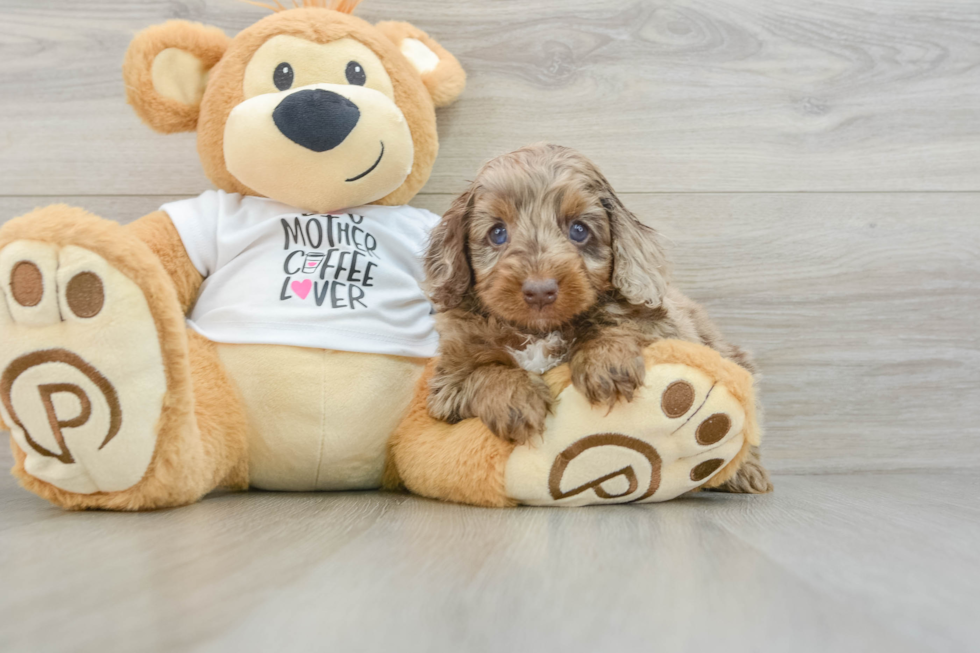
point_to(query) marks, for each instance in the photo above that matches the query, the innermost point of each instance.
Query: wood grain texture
(882, 562)
(690, 95)
(861, 308)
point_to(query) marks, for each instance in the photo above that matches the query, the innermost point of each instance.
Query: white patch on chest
(540, 354)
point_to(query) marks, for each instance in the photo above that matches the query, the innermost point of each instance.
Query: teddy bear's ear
(166, 71)
(441, 72)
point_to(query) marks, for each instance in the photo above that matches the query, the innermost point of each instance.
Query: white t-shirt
(275, 275)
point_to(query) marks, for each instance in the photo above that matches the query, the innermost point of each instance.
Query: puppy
(539, 263)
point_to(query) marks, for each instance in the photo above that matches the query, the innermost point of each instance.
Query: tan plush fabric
(735, 378)
(635, 452)
(319, 419)
(160, 108)
(84, 417)
(447, 80)
(158, 232)
(186, 462)
(180, 76)
(225, 92)
(257, 153)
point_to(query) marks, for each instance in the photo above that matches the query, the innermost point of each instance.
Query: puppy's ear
(447, 267)
(441, 73)
(640, 269)
(166, 71)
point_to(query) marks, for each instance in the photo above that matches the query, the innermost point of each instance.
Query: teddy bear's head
(310, 106)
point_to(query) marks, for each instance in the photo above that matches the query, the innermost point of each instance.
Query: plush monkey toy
(273, 333)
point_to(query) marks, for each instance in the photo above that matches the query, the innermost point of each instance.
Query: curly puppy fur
(537, 263)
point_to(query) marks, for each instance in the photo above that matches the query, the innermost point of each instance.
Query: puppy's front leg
(512, 402)
(609, 366)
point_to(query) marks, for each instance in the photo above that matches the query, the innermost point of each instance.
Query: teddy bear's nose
(318, 120)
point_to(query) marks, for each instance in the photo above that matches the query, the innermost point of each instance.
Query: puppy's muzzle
(318, 120)
(539, 293)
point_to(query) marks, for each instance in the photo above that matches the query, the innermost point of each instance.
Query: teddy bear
(274, 333)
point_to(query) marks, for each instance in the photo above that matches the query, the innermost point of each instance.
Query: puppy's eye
(498, 235)
(356, 74)
(578, 232)
(283, 77)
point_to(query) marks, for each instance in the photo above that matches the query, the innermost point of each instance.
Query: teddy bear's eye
(283, 77)
(356, 74)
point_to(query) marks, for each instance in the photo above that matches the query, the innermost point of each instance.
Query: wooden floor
(815, 167)
(860, 562)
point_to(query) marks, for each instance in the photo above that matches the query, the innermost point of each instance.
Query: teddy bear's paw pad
(82, 378)
(678, 432)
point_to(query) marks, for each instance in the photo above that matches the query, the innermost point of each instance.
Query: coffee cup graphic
(312, 262)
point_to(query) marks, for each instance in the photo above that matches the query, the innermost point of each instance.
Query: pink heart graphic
(302, 288)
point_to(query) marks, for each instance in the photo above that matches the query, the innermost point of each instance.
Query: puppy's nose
(318, 120)
(539, 293)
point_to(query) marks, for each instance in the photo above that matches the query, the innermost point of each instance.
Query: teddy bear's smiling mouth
(371, 169)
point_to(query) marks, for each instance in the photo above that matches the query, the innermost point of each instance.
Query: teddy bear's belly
(319, 419)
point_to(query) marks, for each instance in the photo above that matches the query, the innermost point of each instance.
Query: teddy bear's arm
(158, 232)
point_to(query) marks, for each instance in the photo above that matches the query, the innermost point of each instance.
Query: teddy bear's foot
(82, 381)
(95, 367)
(684, 427)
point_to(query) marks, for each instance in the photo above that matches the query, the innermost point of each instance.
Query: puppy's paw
(751, 478)
(447, 399)
(608, 371)
(514, 406)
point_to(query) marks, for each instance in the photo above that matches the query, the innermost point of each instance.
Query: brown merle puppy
(539, 263)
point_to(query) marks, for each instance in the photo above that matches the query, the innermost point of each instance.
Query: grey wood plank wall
(815, 166)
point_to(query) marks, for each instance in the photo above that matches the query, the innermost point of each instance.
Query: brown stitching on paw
(26, 284)
(626, 472)
(697, 410)
(706, 469)
(85, 294)
(677, 399)
(48, 389)
(713, 429)
(604, 440)
(35, 358)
